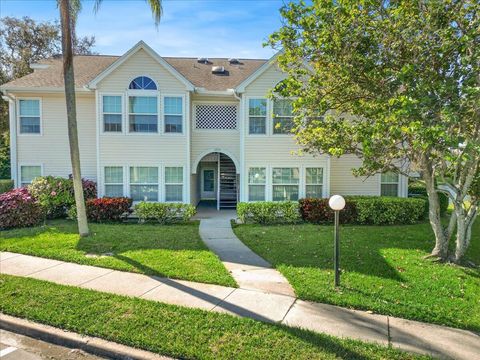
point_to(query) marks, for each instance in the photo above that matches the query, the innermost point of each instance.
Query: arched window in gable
(142, 83)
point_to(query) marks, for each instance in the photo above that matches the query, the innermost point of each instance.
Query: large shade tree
(396, 83)
(69, 10)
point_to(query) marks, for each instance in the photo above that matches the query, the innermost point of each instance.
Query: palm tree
(68, 13)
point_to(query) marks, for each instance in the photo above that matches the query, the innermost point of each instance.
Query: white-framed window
(285, 184)
(282, 116)
(389, 184)
(113, 180)
(29, 113)
(173, 114)
(144, 183)
(28, 173)
(314, 182)
(257, 116)
(112, 113)
(174, 183)
(257, 181)
(143, 114)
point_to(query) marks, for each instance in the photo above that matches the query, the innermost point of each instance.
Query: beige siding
(51, 149)
(343, 182)
(265, 82)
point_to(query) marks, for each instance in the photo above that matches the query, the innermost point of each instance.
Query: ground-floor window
(314, 182)
(144, 183)
(389, 184)
(256, 183)
(113, 181)
(174, 184)
(28, 173)
(285, 184)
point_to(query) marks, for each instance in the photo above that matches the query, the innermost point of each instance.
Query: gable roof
(90, 69)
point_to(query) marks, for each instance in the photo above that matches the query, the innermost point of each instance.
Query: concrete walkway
(249, 270)
(413, 336)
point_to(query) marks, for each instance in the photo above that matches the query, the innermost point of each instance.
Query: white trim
(142, 75)
(20, 165)
(164, 183)
(188, 176)
(159, 168)
(104, 183)
(299, 184)
(40, 109)
(142, 93)
(215, 150)
(101, 129)
(256, 184)
(12, 107)
(247, 115)
(162, 112)
(97, 143)
(41, 89)
(140, 45)
(306, 167)
(398, 183)
(242, 86)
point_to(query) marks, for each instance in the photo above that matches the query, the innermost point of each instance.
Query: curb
(92, 345)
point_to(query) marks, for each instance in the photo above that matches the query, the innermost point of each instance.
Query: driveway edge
(92, 345)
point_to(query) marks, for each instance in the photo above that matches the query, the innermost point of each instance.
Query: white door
(209, 184)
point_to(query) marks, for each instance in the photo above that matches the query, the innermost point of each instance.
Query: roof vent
(218, 69)
(202, 60)
(234, 61)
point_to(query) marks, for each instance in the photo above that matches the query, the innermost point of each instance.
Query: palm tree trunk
(72, 115)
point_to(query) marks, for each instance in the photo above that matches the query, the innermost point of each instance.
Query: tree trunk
(441, 240)
(72, 115)
(464, 231)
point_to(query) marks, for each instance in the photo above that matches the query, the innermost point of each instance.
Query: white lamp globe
(336, 202)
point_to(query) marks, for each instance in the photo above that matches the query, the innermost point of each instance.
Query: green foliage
(417, 189)
(269, 212)
(5, 185)
(164, 213)
(4, 154)
(380, 210)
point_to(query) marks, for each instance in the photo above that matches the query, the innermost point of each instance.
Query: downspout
(12, 113)
(242, 146)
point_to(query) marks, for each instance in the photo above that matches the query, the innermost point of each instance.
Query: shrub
(56, 196)
(379, 210)
(269, 212)
(417, 189)
(104, 209)
(164, 213)
(318, 211)
(19, 209)
(5, 186)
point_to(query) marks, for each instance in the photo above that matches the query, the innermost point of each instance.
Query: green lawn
(383, 270)
(172, 330)
(174, 251)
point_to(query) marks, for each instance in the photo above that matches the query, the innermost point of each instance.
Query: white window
(285, 184)
(282, 116)
(389, 184)
(113, 181)
(29, 113)
(174, 184)
(257, 116)
(173, 114)
(144, 183)
(112, 113)
(28, 173)
(256, 183)
(143, 114)
(314, 182)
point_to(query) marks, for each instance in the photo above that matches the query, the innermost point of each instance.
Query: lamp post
(336, 203)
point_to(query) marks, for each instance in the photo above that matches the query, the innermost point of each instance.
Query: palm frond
(157, 11)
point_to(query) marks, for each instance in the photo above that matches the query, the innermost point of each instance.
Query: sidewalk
(408, 335)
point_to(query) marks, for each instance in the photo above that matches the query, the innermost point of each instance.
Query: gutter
(203, 91)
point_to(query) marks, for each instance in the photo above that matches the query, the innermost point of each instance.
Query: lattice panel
(222, 117)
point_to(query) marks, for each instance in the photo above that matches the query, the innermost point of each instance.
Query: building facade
(175, 129)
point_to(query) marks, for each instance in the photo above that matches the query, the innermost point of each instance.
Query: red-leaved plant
(19, 209)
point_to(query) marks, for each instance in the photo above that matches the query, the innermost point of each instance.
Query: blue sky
(210, 28)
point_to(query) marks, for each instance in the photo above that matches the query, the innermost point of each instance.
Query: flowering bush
(56, 196)
(318, 211)
(105, 209)
(164, 213)
(19, 209)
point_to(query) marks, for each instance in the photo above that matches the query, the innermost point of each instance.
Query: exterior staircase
(227, 192)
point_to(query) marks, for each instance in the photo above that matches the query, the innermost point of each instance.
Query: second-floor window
(112, 113)
(29, 116)
(173, 114)
(282, 116)
(143, 114)
(257, 116)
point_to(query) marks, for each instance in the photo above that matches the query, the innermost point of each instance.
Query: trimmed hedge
(105, 209)
(5, 185)
(56, 196)
(372, 210)
(164, 213)
(418, 190)
(269, 212)
(19, 209)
